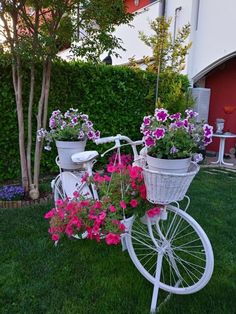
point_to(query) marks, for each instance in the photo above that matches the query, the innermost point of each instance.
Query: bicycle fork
(161, 250)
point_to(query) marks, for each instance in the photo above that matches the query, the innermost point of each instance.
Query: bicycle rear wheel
(188, 260)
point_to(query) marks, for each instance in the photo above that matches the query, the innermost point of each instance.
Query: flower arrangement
(70, 126)
(11, 192)
(173, 136)
(122, 193)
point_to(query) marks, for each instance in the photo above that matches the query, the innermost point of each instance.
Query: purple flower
(11, 192)
(147, 132)
(41, 134)
(179, 124)
(91, 135)
(197, 157)
(161, 114)
(56, 113)
(74, 120)
(81, 135)
(185, 122)
(149, 141)
(207, 140)
(147, 120)
(84, 117)
(159, 133)
(208, 130)
(174, 150)
(175, 116)
(97, 135)
(89, 124)
(52, 123)
(191, 114)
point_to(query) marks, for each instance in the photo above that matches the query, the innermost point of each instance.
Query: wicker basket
(164, 188)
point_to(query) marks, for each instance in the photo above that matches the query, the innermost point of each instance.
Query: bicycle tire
(194, 263)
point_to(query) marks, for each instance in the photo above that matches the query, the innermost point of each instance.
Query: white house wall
(130, 35)
(215, 35)
(213, 38)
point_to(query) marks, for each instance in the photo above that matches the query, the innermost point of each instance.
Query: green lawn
(83, 277)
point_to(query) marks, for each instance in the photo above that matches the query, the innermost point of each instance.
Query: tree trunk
(30, 108)
(42, 118)
(17, 82)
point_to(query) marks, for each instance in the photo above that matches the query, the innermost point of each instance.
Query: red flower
(112, 238)
(142, 191)
(153, 212)
(134, 203)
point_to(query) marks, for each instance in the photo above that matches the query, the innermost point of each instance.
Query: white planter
(127, 222)
(168, 165)
(66, 149)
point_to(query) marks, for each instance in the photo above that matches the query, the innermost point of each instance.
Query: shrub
(115, 98)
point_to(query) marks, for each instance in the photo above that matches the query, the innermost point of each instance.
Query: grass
(82, 277)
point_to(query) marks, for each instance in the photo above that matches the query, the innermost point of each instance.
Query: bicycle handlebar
(118, 137)
(105, 140)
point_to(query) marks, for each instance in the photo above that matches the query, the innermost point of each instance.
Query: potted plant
(70, 130)
(122, 193)
(172, 140)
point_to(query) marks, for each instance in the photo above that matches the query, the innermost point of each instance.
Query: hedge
(115, 98)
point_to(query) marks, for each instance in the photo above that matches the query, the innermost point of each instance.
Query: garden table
(222, 138)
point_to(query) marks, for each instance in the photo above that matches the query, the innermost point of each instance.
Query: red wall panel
(222, 82)
(131, 7)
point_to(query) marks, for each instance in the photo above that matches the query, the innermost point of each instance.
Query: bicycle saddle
(84, 156)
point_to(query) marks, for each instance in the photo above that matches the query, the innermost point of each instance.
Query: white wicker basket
(164, 188)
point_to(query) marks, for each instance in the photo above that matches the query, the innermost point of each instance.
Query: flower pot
(128, 222)
(66, 149)
(168, 165)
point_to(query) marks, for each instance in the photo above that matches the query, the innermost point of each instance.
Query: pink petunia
(159, 133)
(112, 239)
(142, 191)
(98, 178)
(149, 141)
(147, 120)
(55, 237)
(107, 178)
(208, 130)
(97, 205)
(175, 116)
(49, 214)
(69, 230)
(133, 171)
(112, 208)
(134, 203)
(111, 168)
(161, 114)
(59, 202)
(122, 204)
(76, 194)
(102, 215)
(153, 212)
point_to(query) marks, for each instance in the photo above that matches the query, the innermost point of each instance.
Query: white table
(222, 138)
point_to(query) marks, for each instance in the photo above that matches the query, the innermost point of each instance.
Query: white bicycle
(171, 250)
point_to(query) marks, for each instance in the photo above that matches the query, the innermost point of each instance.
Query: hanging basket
(164, 188)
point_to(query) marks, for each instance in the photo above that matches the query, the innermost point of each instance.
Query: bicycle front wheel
(188, 260)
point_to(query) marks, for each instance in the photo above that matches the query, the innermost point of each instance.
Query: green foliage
(168, 53)
(115, 98)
